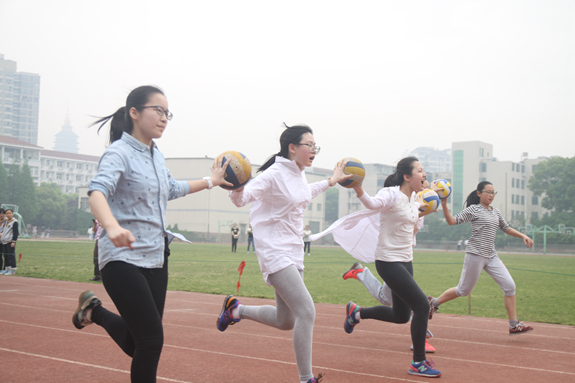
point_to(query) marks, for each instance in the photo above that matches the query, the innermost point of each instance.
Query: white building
(474, 162)
(68, 170)
(211, 213)
(19, 102)
(14, 152)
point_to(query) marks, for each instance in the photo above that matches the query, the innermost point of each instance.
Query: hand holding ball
(239, 170)
(442, 187)
(430, 201)
(355, 167)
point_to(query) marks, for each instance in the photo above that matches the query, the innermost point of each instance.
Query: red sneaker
(520, 328)
(352, 272)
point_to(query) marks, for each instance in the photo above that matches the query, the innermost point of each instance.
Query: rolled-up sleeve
(110, 168)
(178, 189)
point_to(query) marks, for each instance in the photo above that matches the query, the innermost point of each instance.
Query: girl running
(480, 252)
(388, 226)
(128, 197)
(279, 197)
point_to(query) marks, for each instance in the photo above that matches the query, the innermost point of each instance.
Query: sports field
(40, 344)
(545, 284)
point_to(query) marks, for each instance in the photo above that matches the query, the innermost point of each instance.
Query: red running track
(38, 343)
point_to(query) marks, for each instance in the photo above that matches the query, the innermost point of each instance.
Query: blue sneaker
(425, 369)
(226, 318)
(316, 380)
(351, 309)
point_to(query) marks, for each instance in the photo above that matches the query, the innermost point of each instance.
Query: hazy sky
(372, 78)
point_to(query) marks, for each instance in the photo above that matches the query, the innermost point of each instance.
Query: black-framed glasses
(312, 148)
(160, 110)
(489, 192)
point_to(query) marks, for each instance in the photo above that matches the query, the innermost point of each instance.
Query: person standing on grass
(384, 233)
(235, 236)
(480, 253)
(97, 274)
(306, 241)
(8, 240)
(251, 239)
(279, 197)
(2, 221)
(128, 197)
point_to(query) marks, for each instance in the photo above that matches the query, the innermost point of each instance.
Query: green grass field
(545, 284)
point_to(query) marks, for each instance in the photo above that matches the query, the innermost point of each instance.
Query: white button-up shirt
(279, 197)
(396, 226)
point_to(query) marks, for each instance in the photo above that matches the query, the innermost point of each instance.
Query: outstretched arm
(447, 214)
(514, 233)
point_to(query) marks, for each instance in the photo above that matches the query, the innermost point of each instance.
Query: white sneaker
(10, 271)
(3, 272)
(248, 252)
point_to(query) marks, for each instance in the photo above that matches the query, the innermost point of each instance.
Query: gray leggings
(294, 310)
(380, 292)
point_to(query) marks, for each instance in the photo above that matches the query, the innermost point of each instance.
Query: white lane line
(83, 364)
(316, 342)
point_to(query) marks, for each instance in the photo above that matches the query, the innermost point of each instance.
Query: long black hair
(291, 135)
(121, 120)
(473, 198)
(404, 166)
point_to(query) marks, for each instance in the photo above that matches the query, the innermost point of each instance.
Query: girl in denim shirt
(129, 198)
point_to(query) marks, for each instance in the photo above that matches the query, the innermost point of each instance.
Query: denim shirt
(137, 185)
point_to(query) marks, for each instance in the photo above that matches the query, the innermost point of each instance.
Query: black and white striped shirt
(484, 224)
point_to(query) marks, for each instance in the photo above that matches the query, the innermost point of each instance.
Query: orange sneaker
(352, 272)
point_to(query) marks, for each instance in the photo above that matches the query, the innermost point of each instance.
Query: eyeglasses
(160, 110)
(312, 148)
(489, 192)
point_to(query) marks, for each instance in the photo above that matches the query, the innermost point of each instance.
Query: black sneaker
(86, 301)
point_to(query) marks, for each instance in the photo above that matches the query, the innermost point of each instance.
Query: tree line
(47, 206)
(44, 205)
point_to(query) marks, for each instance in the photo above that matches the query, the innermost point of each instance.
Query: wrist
(330, 182)
(209, 181)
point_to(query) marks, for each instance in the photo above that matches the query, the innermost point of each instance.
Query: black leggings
(234, 244)
(9, 256)
(406, 297)
(139, 295)
(307, 245)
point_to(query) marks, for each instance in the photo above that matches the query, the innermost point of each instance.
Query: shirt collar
(138, 145)
(289, 163)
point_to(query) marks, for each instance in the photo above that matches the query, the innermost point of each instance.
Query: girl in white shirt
(393, 260)
(279, 197)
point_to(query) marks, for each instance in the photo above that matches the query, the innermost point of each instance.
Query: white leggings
(294, 310)
(472, 267)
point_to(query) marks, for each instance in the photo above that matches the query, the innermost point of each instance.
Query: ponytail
(121, 121)
(473, 198)
(404, 166)
(291, 135)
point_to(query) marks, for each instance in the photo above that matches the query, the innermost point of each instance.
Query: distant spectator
(235, 236)
(34, 232)
(90, 233)
(42, 232)
(8, 240)
(459, 245)
(97, 273)
(251, 239)
(306, 241)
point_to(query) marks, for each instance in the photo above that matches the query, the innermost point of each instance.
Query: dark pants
(97, 273)
(306, 245)
(406, 297)
(9, 256)
(139, 295)
(234, 244)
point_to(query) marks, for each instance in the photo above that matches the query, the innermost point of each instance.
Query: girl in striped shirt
(480, 252)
